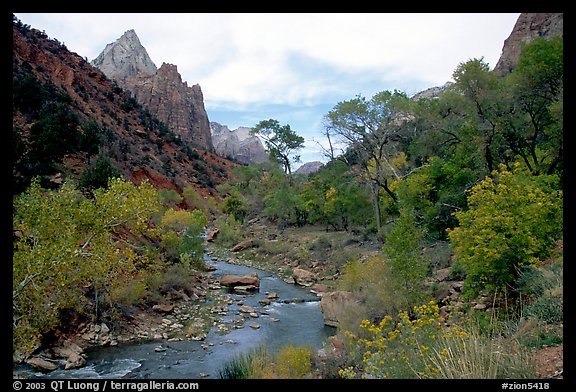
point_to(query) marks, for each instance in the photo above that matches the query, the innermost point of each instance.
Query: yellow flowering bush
(400, 348)
(512, 221)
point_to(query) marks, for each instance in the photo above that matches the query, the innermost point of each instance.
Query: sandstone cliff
(161, 91)
(238, 144)
(527, 27)
(125, 60)
(48, 76)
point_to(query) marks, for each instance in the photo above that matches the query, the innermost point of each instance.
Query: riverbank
(309, 258)
(179, 316)
(277, 314)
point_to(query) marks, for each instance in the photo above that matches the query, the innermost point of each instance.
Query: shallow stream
(293, 318)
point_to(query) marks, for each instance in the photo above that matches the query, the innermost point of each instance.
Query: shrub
(169, 197)
(418, 345)
(371, 281)
(546, 308)
(398, 348)
(293, 362)
(290, 362)
(512, 221)
(98, 174)
(231, 232)
(473, 355)
(408, 268)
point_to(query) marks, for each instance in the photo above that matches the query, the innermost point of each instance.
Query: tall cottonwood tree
(281, 142)
(372, 129)
(535, 92)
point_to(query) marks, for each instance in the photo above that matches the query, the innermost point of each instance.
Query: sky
(292, 67)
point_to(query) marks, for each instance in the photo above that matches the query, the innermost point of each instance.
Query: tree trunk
(377, 210)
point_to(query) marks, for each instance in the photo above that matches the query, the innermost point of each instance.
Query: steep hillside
(70, 120)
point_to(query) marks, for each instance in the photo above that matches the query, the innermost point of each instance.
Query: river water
(294, 318)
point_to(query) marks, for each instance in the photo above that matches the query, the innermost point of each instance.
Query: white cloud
(290, 66)
(247, 58)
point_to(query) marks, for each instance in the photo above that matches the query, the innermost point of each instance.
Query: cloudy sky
(292, 67)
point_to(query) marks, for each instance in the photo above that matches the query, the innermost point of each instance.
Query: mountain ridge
(50, 80)
(161, 90)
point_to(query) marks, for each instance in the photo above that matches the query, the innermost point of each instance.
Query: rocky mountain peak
(169, 71)
(309, 168)
(125, 59)
(161, 91)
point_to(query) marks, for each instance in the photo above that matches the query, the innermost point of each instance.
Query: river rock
(163, 308)
(74, 361)
(319, 289)
(303, 277)
(272, 295)
(67, 349)
(212, 235)
(246, 309)
(243, 245)
(335, 306)
(251, 279)
(248, 289)
(41, 364)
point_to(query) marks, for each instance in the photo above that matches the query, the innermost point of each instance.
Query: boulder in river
(251, 279)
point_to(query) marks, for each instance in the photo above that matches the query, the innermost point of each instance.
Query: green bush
(512, 221)
(231, 232)
(546, 308)
(98, 174)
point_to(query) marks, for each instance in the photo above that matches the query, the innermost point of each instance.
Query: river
(293, 318)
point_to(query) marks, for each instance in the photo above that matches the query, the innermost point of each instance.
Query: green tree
(347, 204)
(90, 139)
(69, 251)
(281, 141)
(54, 134)
(98, 174)
(372, 129)
(483, 106)
(234, 204)
(183, 235)
(408, 268)
(284, 205)
(512, 221)
(534, 127)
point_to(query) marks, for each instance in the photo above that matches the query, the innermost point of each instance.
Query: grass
(475, 356)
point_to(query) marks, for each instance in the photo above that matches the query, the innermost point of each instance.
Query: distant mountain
(161, 91)
(431, 92)
(309, 168)
(67, 114)
(238, 145)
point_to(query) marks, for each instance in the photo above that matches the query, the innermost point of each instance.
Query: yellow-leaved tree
(512, 220)
(70, 250)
